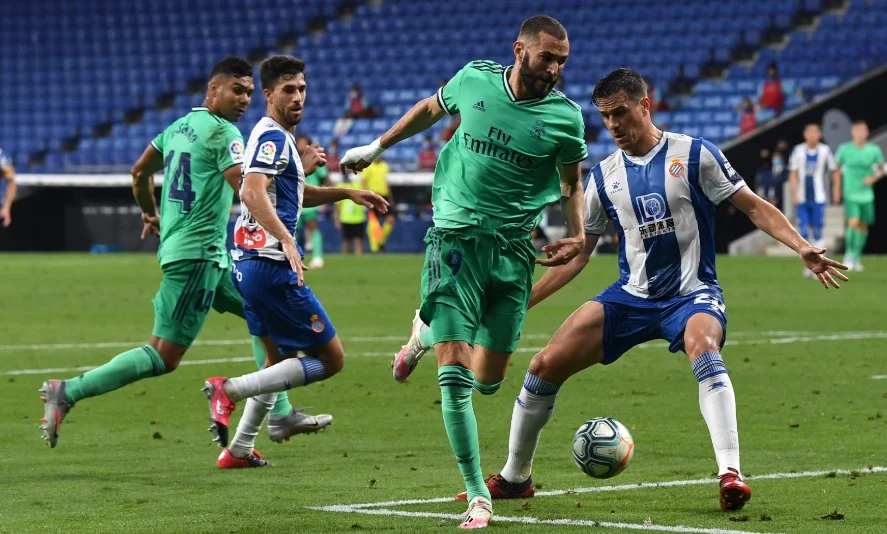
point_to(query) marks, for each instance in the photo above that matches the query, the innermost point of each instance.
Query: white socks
(717, 403)
(254, 414)
(532, 410)
(290, 373)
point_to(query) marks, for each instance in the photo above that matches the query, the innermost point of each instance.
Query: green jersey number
(180, 187)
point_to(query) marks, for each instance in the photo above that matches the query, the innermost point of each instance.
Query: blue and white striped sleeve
(595, 216)
(717, 178)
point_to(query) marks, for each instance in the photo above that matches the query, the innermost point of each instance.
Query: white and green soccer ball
(602, 447)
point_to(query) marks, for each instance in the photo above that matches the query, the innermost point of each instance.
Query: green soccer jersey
(196, 200)
(500, 170)
(857, 163)
(317, 177)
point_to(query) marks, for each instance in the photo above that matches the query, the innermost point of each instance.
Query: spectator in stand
(7, 189)
(380, 225)
(764, 177)
(332, 158)
(427, 156)
(770, 95)
(779, 169)
(748, 120)
(356, 105)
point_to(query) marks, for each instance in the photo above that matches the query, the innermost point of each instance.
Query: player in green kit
(198, 154)
(308, 217)
(861, 166)
(519, 147)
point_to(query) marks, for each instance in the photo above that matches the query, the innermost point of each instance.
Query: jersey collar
(510, 93)
(643, 160)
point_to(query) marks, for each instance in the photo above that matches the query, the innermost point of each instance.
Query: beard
(535, 84)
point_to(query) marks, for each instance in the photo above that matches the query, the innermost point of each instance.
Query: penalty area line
(342, 509)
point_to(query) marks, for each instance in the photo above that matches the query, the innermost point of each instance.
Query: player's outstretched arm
(255, 197)
(418, 119)
(316, 196)
(557, 277)
(769, 219)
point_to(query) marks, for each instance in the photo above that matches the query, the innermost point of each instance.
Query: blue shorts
(275, 306)
(811, 214)
(630, 320)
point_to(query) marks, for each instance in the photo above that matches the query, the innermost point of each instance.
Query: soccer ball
(602, 447)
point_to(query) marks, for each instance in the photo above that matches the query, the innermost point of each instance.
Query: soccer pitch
(807, 364)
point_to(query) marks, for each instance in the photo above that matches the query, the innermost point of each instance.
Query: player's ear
(518, 49)
(267, 93)
(645, 103)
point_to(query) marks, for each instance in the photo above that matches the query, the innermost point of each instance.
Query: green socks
(282, 407)
(131, 366)
(854, 242)
(317, 244)
(456, 383)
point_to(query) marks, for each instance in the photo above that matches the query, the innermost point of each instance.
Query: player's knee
(698, 346)
(333, 365)
(547, 366)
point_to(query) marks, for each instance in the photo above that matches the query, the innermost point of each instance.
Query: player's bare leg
(702, 341)
(577, 345)
(456, 382)
(59, 396)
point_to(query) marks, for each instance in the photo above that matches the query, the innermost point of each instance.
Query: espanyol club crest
(317, 324)
(676, 168)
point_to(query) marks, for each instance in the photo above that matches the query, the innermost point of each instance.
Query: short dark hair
(860, 121)
(276, 67)
(620, 80)
(537, 24)
(232, 66)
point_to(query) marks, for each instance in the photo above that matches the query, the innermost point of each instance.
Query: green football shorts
(187, 292)
(864, 211)
(476, 286)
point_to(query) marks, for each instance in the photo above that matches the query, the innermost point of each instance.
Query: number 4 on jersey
(180, 186)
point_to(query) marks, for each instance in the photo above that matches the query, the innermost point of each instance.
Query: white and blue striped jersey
(272, 151)
(812, 167)
(663, 206)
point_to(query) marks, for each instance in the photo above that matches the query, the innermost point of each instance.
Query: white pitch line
(358, 339)
(627, 487)
(535, 520)
(520, 350)
(879, 377)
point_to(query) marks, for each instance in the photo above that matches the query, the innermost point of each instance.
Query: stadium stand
(77, 99)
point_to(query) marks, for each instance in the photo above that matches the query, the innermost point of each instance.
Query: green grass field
(803, 361)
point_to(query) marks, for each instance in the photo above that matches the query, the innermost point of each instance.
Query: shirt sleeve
(717, 178)
(157, 142)
(793, 162)
(595, 216)
(229, 152)
(880, 154)
(573, 148)
(830, 162)
(448, 95)
(270, 154)
(839, 156)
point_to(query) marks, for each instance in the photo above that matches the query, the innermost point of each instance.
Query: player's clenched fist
(359, 158)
